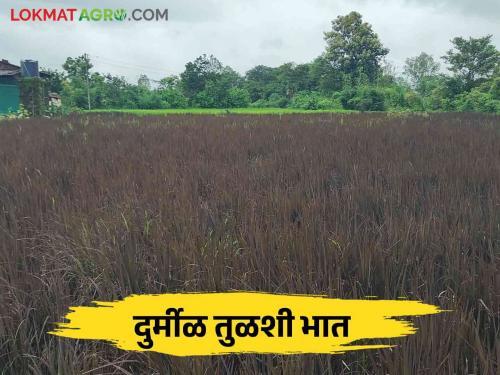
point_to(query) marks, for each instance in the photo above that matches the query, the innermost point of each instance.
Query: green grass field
(215, 111)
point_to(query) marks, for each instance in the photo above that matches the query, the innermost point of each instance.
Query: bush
(414, 101)
(395, 98)
(364, 98)
(172, 98)
(329, 103)
(313, 100)
(238, 98)
(306, 100)
(277, 101)
(149, 100)
(21, 113)
(203, 99)
(477, 101)
(274, 101)
(495, 89)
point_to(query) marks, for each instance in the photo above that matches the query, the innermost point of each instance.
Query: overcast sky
(241, 33)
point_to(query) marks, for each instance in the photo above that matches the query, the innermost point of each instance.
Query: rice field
(103, 205)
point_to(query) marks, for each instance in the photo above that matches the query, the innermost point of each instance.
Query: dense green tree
(259, 82)
(78, 67)
(149, 100)
(170, 91)
(198, 72)
(495, 88)
(54, 80)
(79, 75)
(144, 82)
(285, 84)
(421, 71)
(217, 89)
(173, 98)
(324, 78)
(472, 60)
(351, 74)
(119, 93)
(238, 98)
(75, 95)
(293, 78)
(354, 48)
(170, 82)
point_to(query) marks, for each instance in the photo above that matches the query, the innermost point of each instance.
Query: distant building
(9, 86)
(55, 100)
(10, 76)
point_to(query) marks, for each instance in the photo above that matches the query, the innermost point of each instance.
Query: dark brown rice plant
(96, 207)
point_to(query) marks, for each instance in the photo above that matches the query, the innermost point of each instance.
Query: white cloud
(240, 33)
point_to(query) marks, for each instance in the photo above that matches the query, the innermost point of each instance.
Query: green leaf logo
(120, 14)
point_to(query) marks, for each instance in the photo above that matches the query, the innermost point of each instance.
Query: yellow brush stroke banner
(242, 322)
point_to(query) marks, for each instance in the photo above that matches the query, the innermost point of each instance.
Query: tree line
(351, 74)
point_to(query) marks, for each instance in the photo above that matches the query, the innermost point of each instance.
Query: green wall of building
(9, 95)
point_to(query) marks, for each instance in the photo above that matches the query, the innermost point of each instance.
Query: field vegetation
(216, 111)
(351, 74)
(100, 206)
